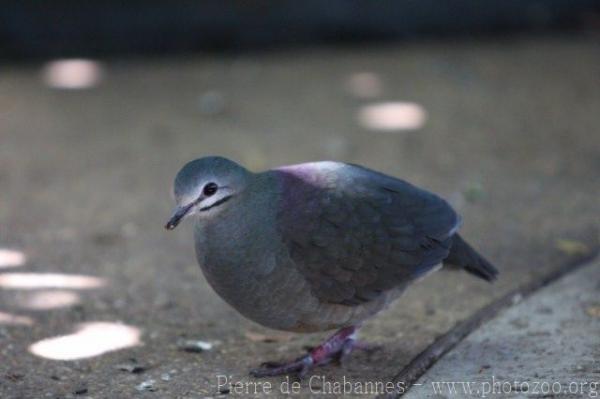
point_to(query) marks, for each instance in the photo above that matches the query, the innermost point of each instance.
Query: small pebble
(80, 390)
(189, 345)
(165, 377)
(131, 367)
(147, 386)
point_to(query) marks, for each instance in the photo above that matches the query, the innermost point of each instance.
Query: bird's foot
(336, 347)
(300, 367)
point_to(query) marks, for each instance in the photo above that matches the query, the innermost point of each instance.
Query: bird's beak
(178, 215)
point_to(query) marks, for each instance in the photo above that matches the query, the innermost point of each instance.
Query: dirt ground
(510, 135)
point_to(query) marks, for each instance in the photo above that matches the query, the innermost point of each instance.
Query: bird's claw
(271, 365)
(300, 367)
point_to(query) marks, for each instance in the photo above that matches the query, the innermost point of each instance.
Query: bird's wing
(355, 233)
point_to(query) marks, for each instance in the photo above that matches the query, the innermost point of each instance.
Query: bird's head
(205, 187)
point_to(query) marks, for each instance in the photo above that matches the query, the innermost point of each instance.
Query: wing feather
(355, 233)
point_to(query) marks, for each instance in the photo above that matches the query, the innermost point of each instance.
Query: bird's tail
(463, 256)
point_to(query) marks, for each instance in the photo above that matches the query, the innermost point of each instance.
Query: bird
(315, 246)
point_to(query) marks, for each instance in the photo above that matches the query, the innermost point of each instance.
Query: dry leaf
(571, 247)
(593, 311)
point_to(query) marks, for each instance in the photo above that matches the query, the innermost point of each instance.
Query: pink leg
(339, 345)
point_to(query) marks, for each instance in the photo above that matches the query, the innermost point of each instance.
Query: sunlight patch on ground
(72, 74)
(15, 320)
(11, 258)
(89, 340)
(392, 116)
(45, 300)
(49, 280)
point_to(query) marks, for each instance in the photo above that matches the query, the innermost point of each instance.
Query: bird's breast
(246, 263)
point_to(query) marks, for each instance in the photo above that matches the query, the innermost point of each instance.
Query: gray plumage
(316, 246)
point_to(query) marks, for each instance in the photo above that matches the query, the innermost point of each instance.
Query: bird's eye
(210, 189)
